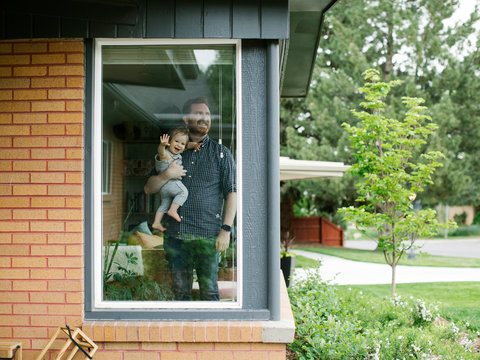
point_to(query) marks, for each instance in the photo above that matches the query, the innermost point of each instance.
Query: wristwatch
(226, 227)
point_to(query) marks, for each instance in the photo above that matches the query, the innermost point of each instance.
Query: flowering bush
(340, 323)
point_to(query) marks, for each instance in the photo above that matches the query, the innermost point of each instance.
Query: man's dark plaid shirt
(210, 178)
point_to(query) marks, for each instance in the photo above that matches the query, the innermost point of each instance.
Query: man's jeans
(185, 255)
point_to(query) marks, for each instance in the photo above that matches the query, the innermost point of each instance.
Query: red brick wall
(41, 189)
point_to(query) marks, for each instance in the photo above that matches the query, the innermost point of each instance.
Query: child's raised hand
(164, 140)
(197, 146)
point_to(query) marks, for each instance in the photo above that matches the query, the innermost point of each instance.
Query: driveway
(347, 272)
(458, 248)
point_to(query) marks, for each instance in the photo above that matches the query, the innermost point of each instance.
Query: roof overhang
(291, 169)
(300, 50)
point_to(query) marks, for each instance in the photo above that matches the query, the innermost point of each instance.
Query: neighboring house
(86, 86)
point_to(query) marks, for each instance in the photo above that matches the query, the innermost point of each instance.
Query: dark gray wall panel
(217, 19)
(73, 27)
(97, 29)
(274, 12)
(18, 25)
(188, 19)
(254, 174)
(246, 19)
(46, 26)
(160, 18)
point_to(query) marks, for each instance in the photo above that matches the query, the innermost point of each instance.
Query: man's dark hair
(188, 104)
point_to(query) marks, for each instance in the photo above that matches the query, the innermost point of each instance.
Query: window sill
(281, 331)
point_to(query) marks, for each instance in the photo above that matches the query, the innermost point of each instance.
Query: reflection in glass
(144, 90)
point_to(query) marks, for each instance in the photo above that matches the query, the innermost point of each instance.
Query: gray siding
(245, 19)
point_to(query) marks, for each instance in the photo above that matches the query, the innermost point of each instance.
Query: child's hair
(178, 130)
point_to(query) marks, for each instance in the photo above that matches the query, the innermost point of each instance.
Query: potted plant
(287, 258)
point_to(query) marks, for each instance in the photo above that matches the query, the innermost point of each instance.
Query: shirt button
(189, 176)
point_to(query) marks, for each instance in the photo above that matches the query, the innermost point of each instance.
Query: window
(188, 92)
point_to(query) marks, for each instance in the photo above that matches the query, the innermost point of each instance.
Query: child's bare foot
(159, 227)
(174, 215)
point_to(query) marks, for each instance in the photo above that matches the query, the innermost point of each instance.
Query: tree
(392, 169)
(404, 40)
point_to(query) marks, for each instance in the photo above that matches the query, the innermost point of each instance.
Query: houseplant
(287, 258)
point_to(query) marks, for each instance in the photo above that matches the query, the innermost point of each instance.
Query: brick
(5, 262)
(29, 332)
(120, 333)
(48, 321)
(30, 118)
(74, 202)
(75, 82)
(29, 262)
(65, 285)
(159, 346)
(47, 274)
(48, 59)
(29, 190)
(71, 214)
(65, 165)
(48, 154)
(5, 119)
(6, 142)
(257, 332)
(14, 249)
(6, 95)
(48, 202)
(65, 189)
(14, 274)
(65, 94)
(74, 250)
(140, 355)
(14, 59)
(29, 309)
(223, 330)
(74, 320)
(14, 83)
(217, 355)
(234, 331)
(14, 202)
(5, 71)
(47, 226)
(64, 118)
(14, 320)
(74, 178)
(62, 141)
(132, 333)
(29, 238)
(5, 238)
(6, 226)
(20, 214)
(30, 165)
(195, 346)
(14, 154)
(75, 58)
(5, 285)
(233, 346)
(48, 129)
(30, 71)
(166, 330)
(178, 355)
(6, 332)
(65, 262)
(5, 189)
(200, 332)
(66, 46)
(30, 141)
(65, 238)
(44, 106)
(277, 355)
(74, 129)
(250, 355)
(5, 214)
(14, 130)
(47, 250)
(29, 94)
(74, 274)
(5, 48)
(30, 47)
(268, 346)
(121, 346)
(211, 331)
(74, 105)
(78, 299)
(13, 297)
(66, 70)
(15, 106)
(14, 178)
(52, 178)
(106, 355)
(48, 82)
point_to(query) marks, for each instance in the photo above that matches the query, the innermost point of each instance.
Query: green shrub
(339, 323)
(466, 231)
(476, 218)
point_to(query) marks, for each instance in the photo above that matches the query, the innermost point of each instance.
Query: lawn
(377, 257)
(460, 301)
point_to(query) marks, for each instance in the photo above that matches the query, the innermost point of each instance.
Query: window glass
(164, 104)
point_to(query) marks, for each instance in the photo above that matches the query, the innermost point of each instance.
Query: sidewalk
(347, 272)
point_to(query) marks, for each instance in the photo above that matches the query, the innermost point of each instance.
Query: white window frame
(97, 302)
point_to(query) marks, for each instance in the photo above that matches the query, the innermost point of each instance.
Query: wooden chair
(76, 337)
(10, 350)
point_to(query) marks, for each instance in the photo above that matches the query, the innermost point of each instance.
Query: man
(209, 175)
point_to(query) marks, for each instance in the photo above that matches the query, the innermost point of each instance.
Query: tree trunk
(394, 268)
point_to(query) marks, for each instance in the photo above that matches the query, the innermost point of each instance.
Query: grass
(305, 262)
(377, 257)
(459, 301)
